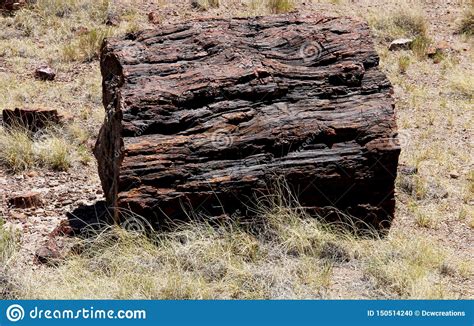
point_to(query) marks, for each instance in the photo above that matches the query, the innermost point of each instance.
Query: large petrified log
(202, 115)
(13, 4)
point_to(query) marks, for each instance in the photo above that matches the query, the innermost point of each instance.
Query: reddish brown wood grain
(202, 115)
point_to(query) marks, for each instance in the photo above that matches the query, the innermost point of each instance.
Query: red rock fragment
(25, 200)
(32, 119)
(45, 73)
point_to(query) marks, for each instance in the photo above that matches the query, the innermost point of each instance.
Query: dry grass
(196, 261)
(420, 45)
(207, 4)
(466, 24)
(87, 46)
(462, 83)
(16, 150)
(286, 254)
(8, 243)
(280, 6)
(403, 63)
(54, 149)
(406, 267)
(403, 20)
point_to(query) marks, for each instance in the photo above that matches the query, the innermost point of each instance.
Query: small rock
(48, 255)
(434, 53)
(32, 174)
(45, 73)
(408, 170)
(401, 44)
(454, 174)
(443, 46)
(26, 200)
(335, 252)
(63, 229)
(18, 216)
(112, 20)
(154, 18)
(81, 30)
(431, 51)
(436, 191)
(197, 5)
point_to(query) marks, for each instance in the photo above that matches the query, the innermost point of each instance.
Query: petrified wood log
(32, 119)
(202, 115)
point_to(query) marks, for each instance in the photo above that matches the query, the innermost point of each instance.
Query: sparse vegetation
(196, 261)
(206, 4)
(420, 45)
(54, 152)
(280, 6)
(424, 220)
(462, 83)
(20, 150)
(286, 254)
(403, 63)
(466, 24)
(8, 244)
(403, 21)
(16, 150)
(8, 247)
(406, 267)
(87, 46)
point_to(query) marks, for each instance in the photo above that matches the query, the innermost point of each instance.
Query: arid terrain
(428, 252)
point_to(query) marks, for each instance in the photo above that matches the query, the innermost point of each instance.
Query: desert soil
(435, 127)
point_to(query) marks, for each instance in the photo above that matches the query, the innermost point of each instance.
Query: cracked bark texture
(204, 114)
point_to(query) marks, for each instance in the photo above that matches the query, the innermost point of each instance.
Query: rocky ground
(435, 187)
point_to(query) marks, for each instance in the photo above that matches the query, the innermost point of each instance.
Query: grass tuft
(466, 24)
(420, 45)
(404, 21)
(462, 83)
(8, 243)
(403, 63)
(280, 6)
(54, 152)
(405, 267)
(20, 150)
(206, 4)
(16, 150)
(283, 254)
(87, 46)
